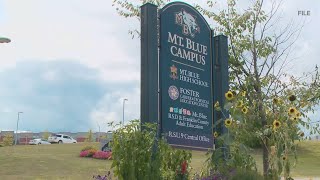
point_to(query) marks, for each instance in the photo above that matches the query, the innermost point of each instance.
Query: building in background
(25, 136)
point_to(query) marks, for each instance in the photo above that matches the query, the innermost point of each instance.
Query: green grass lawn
(308, 159)
(308, 164)
(62, 161)
(55, 161)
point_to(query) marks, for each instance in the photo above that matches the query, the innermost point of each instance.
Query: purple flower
(105, 177)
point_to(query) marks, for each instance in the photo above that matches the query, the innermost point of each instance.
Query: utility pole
(15, 142)
(123, 111)
(99, 132)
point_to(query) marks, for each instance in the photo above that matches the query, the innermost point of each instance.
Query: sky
(71, 63)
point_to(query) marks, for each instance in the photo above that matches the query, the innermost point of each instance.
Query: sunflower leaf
(227, 106)
(217, 123)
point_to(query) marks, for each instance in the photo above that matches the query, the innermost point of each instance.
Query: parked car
(61, 138)
(38, 141)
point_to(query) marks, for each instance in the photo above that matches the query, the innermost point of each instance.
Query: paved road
(305, 178)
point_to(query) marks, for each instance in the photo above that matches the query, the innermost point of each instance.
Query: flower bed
(96, 154)
(84, 153)
(102, 155)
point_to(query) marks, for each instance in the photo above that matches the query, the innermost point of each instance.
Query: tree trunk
(262, 113)
(265, 156)
(265, 143)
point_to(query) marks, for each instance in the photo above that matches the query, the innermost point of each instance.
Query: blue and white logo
(173, 92)
(188, 23)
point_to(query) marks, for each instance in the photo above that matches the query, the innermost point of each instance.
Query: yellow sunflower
(294, 118)
(284, 158)
(239, 104)
(275, 101)
(298, 114)
(216, 105)
(215, 134)
(292, 97)
(292, 111)
(301, 134)
(229, 95)
(244, 110)
(228, 122)
(276, 124)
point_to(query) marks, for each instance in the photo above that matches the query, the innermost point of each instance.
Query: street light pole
(123, 111)
(15, 142)
(99, 132)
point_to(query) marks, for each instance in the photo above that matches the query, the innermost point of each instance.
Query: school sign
(178, 75)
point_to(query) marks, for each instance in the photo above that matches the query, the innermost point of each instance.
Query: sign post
(186, 77)
(177, 74)
(149, 64)
(221, 84)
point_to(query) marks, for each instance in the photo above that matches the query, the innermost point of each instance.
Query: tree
(277, 100)
(89, 136)
(265, 102)
(7, 139)
(45, 135)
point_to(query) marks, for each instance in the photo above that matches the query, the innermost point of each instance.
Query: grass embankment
(62, 161)
(308, 164)
(55, 161)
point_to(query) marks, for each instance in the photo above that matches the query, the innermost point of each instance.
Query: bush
(84, 153)
(102, 155)
(137, 154)
(230, 174)
(96, 154)
(7, 140)
(88, 153)
(91, 152)
(86, 148)
(246, 174)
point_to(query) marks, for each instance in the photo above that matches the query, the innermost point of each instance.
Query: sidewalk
(304, 178)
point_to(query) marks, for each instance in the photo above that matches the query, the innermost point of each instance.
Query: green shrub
(89, 136)
(45, 135)
(137, 155)
(91, 152)
(246, 174)
(88, 147)
(7, 140)
(174, 162)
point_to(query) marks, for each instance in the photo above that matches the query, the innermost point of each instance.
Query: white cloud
(50, 76)
(7, 110)
(110, 108)
(91, 33)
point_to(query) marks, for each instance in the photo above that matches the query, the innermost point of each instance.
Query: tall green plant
(7, 140)
(137, 155)
(89, 136)
(45, 135)
(174, 162)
